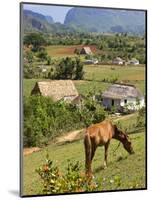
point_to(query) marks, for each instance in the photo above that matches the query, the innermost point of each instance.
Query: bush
(140, 122)
(35, 39)
(92, 112)
(45, 119)
(54, 181)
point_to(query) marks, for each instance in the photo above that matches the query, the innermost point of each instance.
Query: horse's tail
(88, 152)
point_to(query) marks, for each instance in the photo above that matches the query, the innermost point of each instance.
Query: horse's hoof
(105, 167)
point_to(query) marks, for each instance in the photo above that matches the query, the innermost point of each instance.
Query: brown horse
(100, 135)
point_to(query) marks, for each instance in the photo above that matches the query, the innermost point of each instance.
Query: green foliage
(45, 119)
(79, 73)
(35, 39)
(42, 55)
(111, 79)
(91, 111)
(69, 69)
(31, 71)
(54, 181)
(29, 56)
(141, 118)
(48, 60)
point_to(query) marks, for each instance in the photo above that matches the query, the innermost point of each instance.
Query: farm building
(118, 61)
(57, 90)
(121, 95)
(91, 61)
(133, 61)
(86, 51)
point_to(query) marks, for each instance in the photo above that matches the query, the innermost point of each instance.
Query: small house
(118, 61)
(57, 90)
(91, 61)
(122, 95)
(133, 61)
(86, 51)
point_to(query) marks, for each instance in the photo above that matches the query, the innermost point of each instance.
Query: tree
(79, 70)
(35, 39)
(42, 55)
(65, 69)
(70, 69)
(48, 60)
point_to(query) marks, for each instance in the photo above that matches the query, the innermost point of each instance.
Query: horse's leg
(88, 153)
(106, 154)
(93, 151)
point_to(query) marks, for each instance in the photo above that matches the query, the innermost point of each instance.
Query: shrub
(54, 181)
(45, 119)
(140, 122)
(91, 111)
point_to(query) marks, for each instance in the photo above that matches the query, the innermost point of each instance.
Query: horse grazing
(100, 134)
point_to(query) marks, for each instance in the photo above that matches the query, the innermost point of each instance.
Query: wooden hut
(57, 90)
(86, 51)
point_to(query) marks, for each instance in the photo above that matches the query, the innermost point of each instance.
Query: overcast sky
(58, 13)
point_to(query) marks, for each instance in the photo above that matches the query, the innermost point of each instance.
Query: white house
(123, 95)
(133, 61)
(91, 61)
(118, 61)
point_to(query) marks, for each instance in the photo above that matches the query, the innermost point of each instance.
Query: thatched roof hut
(57, 89)
(86, 50)
(121, 95)
(120, 91)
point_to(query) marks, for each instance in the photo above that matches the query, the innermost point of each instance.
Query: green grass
(124, 171)
(95, 74)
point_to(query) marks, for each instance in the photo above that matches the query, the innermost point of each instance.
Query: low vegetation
(54, 181)
(45, 119)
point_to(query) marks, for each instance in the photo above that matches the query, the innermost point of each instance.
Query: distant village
(115, 61)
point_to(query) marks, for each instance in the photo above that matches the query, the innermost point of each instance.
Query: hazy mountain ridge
(35, 22)
(106, 20)
(87, 20)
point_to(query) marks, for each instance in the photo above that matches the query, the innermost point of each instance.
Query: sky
(58, 13)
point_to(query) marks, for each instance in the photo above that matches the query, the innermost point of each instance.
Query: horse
(100, 134)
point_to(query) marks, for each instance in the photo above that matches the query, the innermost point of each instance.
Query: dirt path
(70, 137)
(66, 138)
(117, 118)
(30, 150)
(73, 135)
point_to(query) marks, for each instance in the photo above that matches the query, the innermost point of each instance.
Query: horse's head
(124, 139)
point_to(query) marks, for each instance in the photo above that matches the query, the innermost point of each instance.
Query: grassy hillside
(124, 171)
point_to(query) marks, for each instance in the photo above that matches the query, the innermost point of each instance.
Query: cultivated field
(56, 51)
